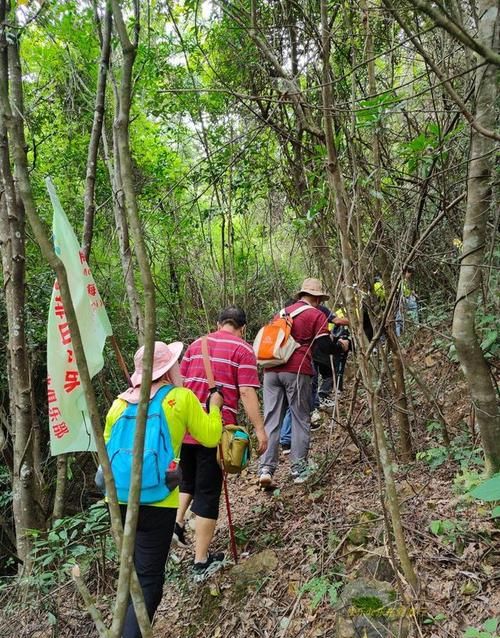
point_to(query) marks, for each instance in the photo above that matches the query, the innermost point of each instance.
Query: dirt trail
(315, 538)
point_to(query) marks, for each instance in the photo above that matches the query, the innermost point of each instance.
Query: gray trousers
(282, 390)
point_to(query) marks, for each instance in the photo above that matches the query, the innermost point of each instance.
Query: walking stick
(232, 537)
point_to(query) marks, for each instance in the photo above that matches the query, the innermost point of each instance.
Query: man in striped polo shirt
(234, 367)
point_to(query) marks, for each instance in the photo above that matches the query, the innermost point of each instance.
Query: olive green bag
(233, 453)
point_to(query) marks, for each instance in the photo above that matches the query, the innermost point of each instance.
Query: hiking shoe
(265, 480)
(315, 416)
(202, 571)
(316, 420)
(302, 476)
(179, 536)
(327, 404)
(286, 447)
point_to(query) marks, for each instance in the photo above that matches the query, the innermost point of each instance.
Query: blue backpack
(158, 451)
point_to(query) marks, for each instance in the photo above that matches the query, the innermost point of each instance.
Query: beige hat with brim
(313, 287)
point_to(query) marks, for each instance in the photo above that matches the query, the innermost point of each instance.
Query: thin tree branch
(458, 32)
(445, 82)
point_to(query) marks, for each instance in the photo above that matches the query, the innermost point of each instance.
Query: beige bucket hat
(313, 287)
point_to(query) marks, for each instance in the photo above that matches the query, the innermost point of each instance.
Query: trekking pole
(232, 537)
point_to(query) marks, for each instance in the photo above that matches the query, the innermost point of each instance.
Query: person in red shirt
(289, 385)
(234, 367)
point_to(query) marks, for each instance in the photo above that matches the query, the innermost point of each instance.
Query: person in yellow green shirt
(379, 290)
(183, 413)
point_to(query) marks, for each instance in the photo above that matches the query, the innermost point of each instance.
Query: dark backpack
(158, 451)
(323, 358)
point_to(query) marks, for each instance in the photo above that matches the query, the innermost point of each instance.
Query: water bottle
(239, 449)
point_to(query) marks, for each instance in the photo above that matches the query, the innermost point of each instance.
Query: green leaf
(495, 512)
(371, 111)
(490, 339)
(333, 595)
(52, 620)
(489, 490)
(491, 625)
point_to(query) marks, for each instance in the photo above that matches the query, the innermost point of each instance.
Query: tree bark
(399, 394)
(95, 136)
(126, 256)
(121, 125)
(447, 85)
(25, 487)
(16, 139)
(61, 482)
(479, 204)
(485, 47)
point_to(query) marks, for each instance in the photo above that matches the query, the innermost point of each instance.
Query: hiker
(331, 367)
(183, 413)
(408, 302)
(290, 384)
(321, 389)
(317, 395)
(234, 367)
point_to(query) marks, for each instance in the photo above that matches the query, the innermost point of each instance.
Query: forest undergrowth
(301, 545)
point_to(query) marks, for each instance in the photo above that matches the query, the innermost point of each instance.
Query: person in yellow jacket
(156, 521)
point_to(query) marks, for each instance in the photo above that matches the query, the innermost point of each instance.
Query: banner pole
(120, 359)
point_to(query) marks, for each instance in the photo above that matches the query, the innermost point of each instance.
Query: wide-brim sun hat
(314, 287)
(165, 357)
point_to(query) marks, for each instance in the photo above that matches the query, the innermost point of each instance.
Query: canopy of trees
(217, 152)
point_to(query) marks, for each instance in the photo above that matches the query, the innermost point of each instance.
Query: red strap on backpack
(213, 387)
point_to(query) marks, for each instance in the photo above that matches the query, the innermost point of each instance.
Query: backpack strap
(212, 385)
(131, 409)
(296, 312)
(161, 394)
(207, 363)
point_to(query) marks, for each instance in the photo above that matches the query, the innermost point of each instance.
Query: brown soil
(308, 530)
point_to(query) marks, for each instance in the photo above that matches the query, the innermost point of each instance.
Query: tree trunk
(354, 310)
(95, 136)
(399, 393)
(61, 482)
(121, 223)
(479, 204)
(124, 156)
(16, 139)
(25, 488)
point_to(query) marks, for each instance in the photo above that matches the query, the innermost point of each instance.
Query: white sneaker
(265, 479)
(303, 476)
(327, 404)
(315, 416)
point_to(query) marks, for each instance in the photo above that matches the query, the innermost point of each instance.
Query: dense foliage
(230, 170)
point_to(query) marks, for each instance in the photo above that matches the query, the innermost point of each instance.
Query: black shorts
(202, 478)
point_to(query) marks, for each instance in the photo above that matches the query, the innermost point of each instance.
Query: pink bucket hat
(165, 357)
